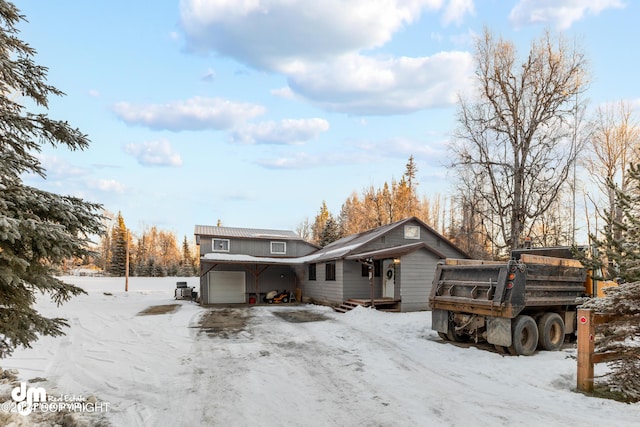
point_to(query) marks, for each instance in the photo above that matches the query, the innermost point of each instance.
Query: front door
(389, 279)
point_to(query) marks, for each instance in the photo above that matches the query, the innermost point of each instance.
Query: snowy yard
(281, 367)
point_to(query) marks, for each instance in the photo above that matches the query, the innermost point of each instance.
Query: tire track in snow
(280, 373)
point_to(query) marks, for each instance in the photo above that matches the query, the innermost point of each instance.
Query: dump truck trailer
(520, 305)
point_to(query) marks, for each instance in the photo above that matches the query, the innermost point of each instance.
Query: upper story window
(312, 272)
(411, 232)
(220, 245)
(278, 247)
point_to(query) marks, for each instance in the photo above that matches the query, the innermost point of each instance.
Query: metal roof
(245, 233)
(346, 248)
(395, 251)
(349, 245)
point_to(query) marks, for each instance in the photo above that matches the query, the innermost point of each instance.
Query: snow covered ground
(363, 368)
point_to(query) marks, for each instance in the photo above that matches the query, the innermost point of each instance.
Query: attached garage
(226, 287)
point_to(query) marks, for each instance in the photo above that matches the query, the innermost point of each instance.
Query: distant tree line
(154, 253)
(375, 207)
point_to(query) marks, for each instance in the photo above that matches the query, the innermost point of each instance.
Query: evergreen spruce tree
(330, 233)
(186, 263)
(118, 259)
(621, 247)
(187, 259)
(38, 229)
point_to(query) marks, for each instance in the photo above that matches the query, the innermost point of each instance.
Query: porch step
(346, 306)
(382, 304)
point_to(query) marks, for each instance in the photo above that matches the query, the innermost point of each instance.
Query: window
(220, 245)
(312, 272)
(376, 269)
(330, 271)
(278, 247)
(411, 232)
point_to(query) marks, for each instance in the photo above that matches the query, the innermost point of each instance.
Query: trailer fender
(499, 331)
(440, 321)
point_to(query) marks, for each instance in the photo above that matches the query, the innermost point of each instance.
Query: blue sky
(253, 112)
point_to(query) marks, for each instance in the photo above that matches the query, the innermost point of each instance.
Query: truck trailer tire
(551, 331)
(524, 336)
(453, 335)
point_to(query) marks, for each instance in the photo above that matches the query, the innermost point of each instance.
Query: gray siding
(356, 285)
(416, 277)
(396, 238)
(258, 247)
(328, 291)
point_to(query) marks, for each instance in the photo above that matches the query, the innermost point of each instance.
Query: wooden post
(586, 345)
(373, 303)
(126, 265)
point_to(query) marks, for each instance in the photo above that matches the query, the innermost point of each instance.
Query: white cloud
(289, 131)
(362, 85)
(456, 10)
(94, 93)
(154, 153)
(209, 75)
(559, 13)
(107, 185)
(274, 33)
(405, 147)
(348, 155)
(283, 92)
(197, 113)
(57, 168)
(321, 48)
(306, 161)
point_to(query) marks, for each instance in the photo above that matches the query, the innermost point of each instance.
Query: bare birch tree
(514, 137)
(615, 139)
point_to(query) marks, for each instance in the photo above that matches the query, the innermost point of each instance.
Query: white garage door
(226, 287)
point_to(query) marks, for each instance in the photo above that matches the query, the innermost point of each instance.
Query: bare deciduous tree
(615, 138)
(304, 230)
(515, 136)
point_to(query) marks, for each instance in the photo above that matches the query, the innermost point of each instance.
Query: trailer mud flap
(499, 331)
(440, 321)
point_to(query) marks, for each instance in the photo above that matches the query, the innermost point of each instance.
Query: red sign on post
(583, 320)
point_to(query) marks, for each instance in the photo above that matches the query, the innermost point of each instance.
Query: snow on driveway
(294, 365)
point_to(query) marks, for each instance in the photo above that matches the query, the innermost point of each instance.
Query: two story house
(238, 263)
(395, 261)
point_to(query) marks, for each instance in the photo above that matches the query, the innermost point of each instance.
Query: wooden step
(383, 304)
